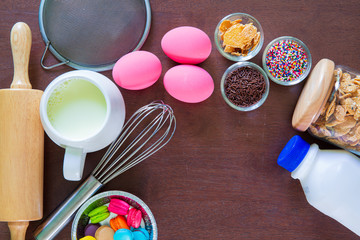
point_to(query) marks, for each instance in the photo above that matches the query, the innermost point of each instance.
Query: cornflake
(338, 121)
(238, 39)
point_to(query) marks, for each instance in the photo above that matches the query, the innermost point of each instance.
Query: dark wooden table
(218, 177)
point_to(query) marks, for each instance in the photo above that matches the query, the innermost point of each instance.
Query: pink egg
(137, 70)
(188, 83)
(187, 45)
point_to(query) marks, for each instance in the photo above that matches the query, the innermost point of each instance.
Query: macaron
(88, 238)
(140, 234)
(104, 233)
(134, 218)
(118, 223)
(90, 229)
(99, 214)
(123, 234)
(118, 206)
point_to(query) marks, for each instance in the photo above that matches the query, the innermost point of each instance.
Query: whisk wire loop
(151, 138)
(146, 153)
(115, 165)
(126, 131)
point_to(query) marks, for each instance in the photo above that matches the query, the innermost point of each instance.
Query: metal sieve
(93, 34)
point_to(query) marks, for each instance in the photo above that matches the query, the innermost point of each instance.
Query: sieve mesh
(94, 33)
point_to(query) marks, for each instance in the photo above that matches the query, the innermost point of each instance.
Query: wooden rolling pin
(21, 142)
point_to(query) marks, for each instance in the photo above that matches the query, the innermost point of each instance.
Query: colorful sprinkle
(286, 60)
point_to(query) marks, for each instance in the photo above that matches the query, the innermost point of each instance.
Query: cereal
(330, 110)
(338, 122)
(225, 25)
(345, 126)
(348, 104)
(332, 123)
(229, 49)
(240, 36)
(321, 130)
(357, 114)
(346, 77)
(238, 39)
(345, 96)
(348, 86)
(356, 80)
(339, 113)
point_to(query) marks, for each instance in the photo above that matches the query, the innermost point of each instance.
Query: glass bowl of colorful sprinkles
(286, 60)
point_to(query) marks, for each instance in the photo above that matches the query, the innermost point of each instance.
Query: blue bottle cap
(293, 153)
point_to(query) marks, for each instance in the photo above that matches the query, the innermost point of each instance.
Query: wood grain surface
(218, 177)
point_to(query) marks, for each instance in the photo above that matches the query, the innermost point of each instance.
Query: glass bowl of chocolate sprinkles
(244, 86)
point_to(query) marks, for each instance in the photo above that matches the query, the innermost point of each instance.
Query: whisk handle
(53, 224)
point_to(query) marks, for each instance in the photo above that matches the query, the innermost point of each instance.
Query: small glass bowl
(301, 77)
(246, 18)
(240, 65)
(81, 218)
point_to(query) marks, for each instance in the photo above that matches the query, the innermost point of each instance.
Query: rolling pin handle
(18, 229)
(20, 39)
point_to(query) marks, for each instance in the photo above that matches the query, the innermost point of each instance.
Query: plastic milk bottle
(330, 179)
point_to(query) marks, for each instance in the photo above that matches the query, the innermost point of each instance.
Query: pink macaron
(134, 218)
(118, 206)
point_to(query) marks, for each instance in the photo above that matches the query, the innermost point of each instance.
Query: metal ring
(99, 68)
(43, 57)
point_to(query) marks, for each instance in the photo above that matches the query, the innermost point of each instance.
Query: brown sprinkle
(244, 86)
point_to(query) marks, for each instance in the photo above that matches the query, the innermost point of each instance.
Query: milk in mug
(77, 109)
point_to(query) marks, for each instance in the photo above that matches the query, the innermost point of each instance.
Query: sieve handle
(53, 224)
(53, 66)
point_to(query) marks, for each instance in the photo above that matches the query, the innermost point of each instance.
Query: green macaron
(99, 214)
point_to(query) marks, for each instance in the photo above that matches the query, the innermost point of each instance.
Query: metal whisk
(148, 130)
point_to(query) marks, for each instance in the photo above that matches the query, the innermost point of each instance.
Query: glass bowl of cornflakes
(239, 37)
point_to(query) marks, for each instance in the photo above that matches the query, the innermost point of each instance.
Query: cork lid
(314, 95)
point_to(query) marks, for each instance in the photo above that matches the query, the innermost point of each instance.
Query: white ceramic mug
(82, 111)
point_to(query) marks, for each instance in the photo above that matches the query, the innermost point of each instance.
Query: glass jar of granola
(329, 105)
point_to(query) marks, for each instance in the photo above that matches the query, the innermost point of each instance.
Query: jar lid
(314, 95)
